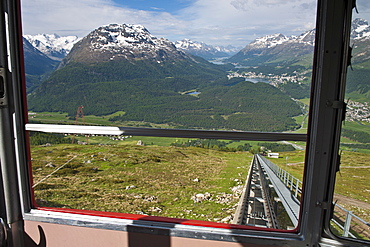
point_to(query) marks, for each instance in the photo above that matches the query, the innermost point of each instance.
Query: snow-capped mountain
(277, 48)
(203, 50)
(307, 38)
(360, 35)
(268, 41)
(117, 66)
(271, 41)
(37, 64)
(122, 42)
(360, 29)
(52, 45)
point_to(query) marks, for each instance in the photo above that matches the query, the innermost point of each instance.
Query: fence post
(291, 182)
(296, 188)
(347, 224)
(284, 177)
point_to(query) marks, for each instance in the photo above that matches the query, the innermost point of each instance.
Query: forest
(358, 80)
(354, 135)
(245, 106)
(155, 93)
(212, 144)
(39, 138)
(276, 147)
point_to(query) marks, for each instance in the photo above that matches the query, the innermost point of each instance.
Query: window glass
(352, 210)
(233, 65)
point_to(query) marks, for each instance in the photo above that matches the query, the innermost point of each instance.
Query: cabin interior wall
(48, 234)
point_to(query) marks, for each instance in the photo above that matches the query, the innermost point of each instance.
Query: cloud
(218, 22)
(247, 5)
(71, 17)
(242, 21)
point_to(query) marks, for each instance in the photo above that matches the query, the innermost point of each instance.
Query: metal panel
(203, 134)
(14, 217)
(330, 63)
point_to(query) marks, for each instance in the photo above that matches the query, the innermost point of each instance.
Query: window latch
(349, 61)
(354, 6)
(336, 104)
(3, 91)
(323, 205)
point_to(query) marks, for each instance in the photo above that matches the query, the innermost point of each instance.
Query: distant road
(361, 123)
(294, 145)
(351, 201)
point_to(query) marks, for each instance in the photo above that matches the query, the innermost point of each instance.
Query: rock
(130, 187)
(150, 199)
(226, 219)
(140, 212)
(155, 209)
(201, 197)
(50, 165)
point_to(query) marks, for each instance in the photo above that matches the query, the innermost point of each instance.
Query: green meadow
(160, 179)
(152, 180)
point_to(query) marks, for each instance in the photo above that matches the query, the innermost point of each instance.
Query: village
(358, 111)
(355, 111)
(273, 79)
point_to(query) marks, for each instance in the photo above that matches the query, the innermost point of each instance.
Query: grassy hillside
(135, 179)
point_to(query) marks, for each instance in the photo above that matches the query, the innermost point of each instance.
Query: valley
(143, 76)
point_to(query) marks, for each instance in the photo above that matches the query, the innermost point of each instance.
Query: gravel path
(350, 201)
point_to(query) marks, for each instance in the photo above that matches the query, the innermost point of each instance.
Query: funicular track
(256, 207)
(263, 190)
(267, 185)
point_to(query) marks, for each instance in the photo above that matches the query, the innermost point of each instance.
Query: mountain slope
(125, 68)
(37, 64)
(122, 53)
(358, 82)
(122, 43)
(275, 50)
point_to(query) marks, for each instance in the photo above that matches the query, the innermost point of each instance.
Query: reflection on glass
(352, 211)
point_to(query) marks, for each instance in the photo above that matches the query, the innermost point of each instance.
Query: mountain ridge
(276, 49)
(122, 42)
(204, 50)
(52, 45)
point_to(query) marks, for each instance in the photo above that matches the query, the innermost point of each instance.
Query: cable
(53, 172)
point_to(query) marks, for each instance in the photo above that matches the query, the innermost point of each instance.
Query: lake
(255, 80)
(193, 93)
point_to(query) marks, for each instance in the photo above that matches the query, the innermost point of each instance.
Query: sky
(215, 22)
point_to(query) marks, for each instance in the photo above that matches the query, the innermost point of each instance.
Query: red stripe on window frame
(162, 219)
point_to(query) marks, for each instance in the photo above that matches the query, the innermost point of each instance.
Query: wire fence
(347, 221)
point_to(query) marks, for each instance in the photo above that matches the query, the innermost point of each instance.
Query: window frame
(321, 162)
